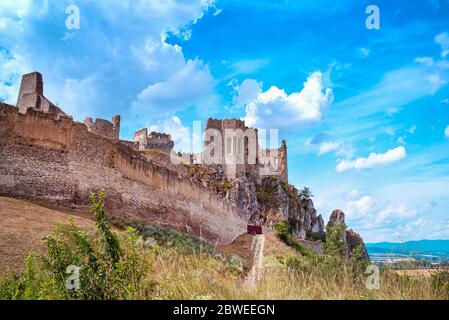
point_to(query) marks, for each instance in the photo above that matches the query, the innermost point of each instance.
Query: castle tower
(31, 95)
(283, 165)
(31, 89)
(116, 126)
(237, 146)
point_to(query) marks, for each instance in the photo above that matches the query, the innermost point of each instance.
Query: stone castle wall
(60, 161)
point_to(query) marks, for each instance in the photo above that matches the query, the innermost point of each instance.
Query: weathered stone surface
(245, 197)
(283, 202)
(351, 239)
(31, 95)
(309, 225)
(60, 161)
(318, 228)
(337, 218)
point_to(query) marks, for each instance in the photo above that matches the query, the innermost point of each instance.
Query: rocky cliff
(274, 200)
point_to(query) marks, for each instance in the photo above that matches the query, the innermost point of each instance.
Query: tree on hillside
(335, 245)
(306, 193)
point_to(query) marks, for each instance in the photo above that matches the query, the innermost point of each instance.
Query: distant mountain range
(431, 250)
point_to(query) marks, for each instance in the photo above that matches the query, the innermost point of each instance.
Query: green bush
(107, 270)
(235, 262)
(283, 231)
(171, 238)
(335, 245)
(262, 196)
(357, 260)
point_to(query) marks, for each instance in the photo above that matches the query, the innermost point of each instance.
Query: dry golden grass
(23, 225)
(197, 276)
(177, 274)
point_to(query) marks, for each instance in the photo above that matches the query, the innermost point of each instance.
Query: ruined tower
(105, 128)
(230, 143)
(31, 95)
(153, 141)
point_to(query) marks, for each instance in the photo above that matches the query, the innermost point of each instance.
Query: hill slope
(24, 224)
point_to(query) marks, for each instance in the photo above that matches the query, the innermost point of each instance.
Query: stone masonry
(31, 95)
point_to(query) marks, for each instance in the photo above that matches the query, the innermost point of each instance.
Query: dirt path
(255, 274)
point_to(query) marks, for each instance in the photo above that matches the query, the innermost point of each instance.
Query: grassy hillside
(23, 225)
(156, 263)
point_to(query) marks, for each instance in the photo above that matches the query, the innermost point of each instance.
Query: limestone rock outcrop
(280, 201)
(337, 218)
(244, 195)
(309, 224)
(352, 239)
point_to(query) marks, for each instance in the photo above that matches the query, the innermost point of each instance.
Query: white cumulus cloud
(443, 40)
(446, 132)
(401, 211)
(179, 133)
(277, 109)
(373, 160)
(327, 147)
(360, 207)
(191, 85)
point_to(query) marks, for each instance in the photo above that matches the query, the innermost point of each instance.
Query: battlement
(105, 128)
(222, 124)
(159, 137)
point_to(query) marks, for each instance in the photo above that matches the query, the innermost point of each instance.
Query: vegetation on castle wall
(204, 174)
(262, 196)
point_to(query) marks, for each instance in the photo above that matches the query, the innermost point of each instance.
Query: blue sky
(365, 112)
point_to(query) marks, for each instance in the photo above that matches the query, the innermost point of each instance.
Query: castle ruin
(47, 156)
(154, 141)
(31, 95)
(232, 144)
(107, 129)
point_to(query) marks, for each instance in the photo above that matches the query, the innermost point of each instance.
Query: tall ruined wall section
(61, 162)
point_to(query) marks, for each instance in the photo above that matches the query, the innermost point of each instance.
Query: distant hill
(425, 249)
